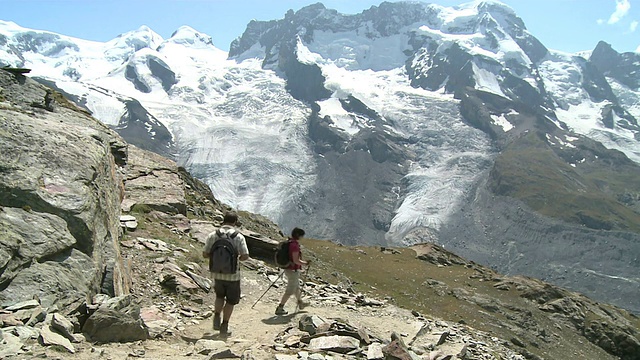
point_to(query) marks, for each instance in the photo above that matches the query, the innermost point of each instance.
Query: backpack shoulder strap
(224, 234)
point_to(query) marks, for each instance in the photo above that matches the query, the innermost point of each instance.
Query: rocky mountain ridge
(165, 310)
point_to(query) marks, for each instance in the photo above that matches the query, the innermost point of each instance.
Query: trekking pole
(270, 286)
(306, 275)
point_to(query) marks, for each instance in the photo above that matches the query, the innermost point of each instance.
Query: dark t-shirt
(294, 246)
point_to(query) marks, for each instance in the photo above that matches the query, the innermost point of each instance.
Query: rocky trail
(346, 325)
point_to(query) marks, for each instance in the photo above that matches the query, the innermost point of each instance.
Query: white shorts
(293, 281)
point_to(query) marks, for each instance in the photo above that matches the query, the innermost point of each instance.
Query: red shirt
(294, 246)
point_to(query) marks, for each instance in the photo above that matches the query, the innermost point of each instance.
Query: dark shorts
(229, 290)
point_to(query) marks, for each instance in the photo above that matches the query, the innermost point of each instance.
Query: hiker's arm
(296, 258)
(243, 250)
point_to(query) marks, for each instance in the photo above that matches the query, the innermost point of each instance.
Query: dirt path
(254, 330)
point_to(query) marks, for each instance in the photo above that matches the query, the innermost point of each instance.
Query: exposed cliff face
(60, 195)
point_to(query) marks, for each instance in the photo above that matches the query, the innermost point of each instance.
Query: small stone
(125, 218)
(205, 346)
(443, 338)
(29, 304)
(336, 343)
(374, 352)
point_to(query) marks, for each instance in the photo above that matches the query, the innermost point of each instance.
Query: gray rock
(11, 345)
(204, 283)
(117, 320)
(201, 229)
(173, 278)
(29, 304)
(154, 245)
(158, 327)
(67, 276)
(48, 337)
(153, 182)
(37, 315)
(125, 218)
(26, 332)
(205, 346)
(310, 323)
(60, 193)
(337, 343)
(62, 325)
(156, 321)
(374, 352)
(130, 225)
(34, 236)
(286, 357)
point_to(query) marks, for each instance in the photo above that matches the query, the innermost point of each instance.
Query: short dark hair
(297, 233)
(230, 217)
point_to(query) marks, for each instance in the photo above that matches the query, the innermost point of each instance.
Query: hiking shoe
(224, 329)
(280, 310)
(216, 321)
(302, 304)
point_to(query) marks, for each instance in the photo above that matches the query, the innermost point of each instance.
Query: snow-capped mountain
(408, 122)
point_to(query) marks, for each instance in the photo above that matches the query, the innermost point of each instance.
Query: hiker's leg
(291, 283)
(226, 313)
(219, 305)
(221, 291)
(233, 298)
(293, 286)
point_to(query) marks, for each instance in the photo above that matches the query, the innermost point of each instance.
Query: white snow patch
(502, 122)
(354, 50)
(486, 81)
(340, 117)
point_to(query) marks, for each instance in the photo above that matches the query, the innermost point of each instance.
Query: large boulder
(60, 196)
(116, 320)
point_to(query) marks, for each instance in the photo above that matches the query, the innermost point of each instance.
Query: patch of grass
(530, 170)
(152, 228)
(141, 209)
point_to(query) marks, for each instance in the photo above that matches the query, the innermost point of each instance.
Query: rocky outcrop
(143, 130)
(152, 182)
(622, 67)
(60, 196)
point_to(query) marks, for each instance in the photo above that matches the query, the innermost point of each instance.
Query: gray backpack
(224, 256)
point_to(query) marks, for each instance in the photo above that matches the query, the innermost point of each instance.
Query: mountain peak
(313, 9)
(186, 35)
(135, 40)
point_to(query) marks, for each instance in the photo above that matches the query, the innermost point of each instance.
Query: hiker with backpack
(292, 272)
(224, 247)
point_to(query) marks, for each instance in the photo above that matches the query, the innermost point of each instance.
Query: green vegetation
(530, 170)
(458, 292)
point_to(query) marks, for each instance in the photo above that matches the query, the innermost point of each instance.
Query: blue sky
(566, 25)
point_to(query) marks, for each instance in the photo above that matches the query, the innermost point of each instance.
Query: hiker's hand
(308, 263)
